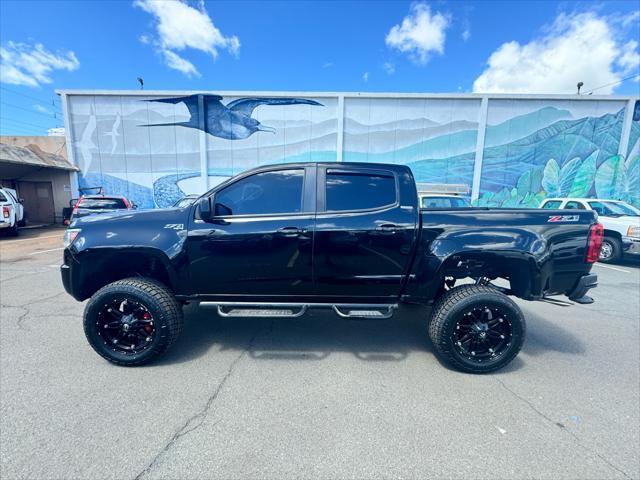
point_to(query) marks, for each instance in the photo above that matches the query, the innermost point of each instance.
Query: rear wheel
(611, 250)
(133, 321)
(13, 231)
(476, 329)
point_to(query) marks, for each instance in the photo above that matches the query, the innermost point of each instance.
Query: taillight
(596, 232)
(5, 212)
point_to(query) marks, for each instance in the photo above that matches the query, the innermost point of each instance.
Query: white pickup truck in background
(620, 220)
(12, 216)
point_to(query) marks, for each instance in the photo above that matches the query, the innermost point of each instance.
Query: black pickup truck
(278, 240)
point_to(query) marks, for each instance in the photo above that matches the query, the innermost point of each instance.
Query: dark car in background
(92, 204)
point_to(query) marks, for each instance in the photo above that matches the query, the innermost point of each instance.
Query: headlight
(70, 235)
(633, 232)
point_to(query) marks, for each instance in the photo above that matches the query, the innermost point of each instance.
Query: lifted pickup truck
(278, 240)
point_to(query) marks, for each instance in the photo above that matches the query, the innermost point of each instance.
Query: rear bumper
(5, 225)
(631, 245)
(584, 284)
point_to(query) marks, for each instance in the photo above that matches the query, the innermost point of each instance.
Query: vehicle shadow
(318, 334)
(311, 337)
(544, 335)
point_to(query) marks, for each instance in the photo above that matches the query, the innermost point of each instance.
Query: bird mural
(232, 121)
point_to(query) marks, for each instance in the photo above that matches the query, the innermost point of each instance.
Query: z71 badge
(175, 226)
(563, 218)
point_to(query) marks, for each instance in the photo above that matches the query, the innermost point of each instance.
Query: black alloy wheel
(133, 321)
(483, 333)
(476, 328)
(126, 325)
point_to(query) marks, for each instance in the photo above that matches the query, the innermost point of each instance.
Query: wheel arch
(101, 267)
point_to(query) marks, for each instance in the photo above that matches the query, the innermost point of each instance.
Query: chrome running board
(293, 310)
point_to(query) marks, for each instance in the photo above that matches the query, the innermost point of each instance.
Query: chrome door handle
(388, 228)
(290, 231)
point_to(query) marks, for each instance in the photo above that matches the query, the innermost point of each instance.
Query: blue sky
(397, 46)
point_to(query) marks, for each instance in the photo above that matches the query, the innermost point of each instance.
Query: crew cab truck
(278, 240)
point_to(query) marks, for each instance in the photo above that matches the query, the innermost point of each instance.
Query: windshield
(102, 203)
(622, 208)
(444, 202)
(613, 208)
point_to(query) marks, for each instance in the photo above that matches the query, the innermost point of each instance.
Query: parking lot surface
(314, 397)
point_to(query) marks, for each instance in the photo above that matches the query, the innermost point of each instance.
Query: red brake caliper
(149, 326)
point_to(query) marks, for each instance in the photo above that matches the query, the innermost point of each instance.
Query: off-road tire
(13, 231)
(157, 298)
(452, 305)
(615, 249)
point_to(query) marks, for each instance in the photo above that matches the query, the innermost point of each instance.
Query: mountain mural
(149, 149)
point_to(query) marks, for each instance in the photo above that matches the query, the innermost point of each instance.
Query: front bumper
(584, 284)
(631, 245)
(69, 273)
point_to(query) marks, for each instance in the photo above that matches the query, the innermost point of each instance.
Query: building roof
(31, 154)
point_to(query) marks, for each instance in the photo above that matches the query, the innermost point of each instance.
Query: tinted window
(552, 204)
(444, 202)
(359, 191)
(574, 206)
(184, 202)
(2, 197)
(102, 203)
(600, 208)
(262, 193)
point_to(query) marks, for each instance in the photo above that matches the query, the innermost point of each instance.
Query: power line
(3, 126)
(48, 115)
(31, 96)
(613, 83)
(54, 108)
(6, 119)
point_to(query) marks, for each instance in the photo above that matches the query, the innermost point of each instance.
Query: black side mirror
(204, 208)
(222, 210)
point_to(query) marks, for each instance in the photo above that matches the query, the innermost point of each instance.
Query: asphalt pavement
(314, 397)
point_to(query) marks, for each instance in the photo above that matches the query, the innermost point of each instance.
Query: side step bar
(293, 310)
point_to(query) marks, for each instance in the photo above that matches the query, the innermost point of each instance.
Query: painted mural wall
(538, 148)
(149, 148)
(154, 149)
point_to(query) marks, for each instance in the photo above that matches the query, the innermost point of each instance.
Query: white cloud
(578, 47)
(365, 76)
(389, 67)
(176, 62)
(31, 65)
(327, 65)
(466, 34)
(41, 109)
(180, 26)
(421, 33)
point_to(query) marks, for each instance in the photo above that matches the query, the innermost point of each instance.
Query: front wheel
(132, 321)
(476, 329)
(611, 250)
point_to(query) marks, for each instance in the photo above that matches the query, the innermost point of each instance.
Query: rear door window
(574, 206)
(359, 190)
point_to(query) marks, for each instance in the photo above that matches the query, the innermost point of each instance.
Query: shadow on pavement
(318, 334)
